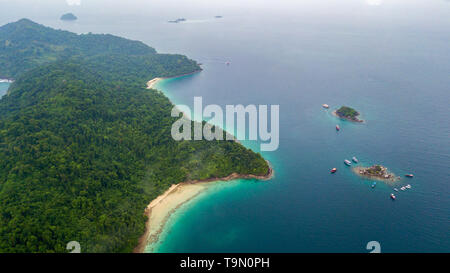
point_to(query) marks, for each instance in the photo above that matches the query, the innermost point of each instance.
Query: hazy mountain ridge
(25, 45)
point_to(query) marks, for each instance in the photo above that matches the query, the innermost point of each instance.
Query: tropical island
(85, 146)
(377, 172)
(347, 113)
(68, 17)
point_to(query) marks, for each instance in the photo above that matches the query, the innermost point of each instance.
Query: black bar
(229, 262)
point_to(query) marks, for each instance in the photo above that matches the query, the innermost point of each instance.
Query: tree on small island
(376, 170)
(348, 113)
(69, 17)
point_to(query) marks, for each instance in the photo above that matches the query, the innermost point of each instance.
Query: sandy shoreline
(162, 207)
(151, 83)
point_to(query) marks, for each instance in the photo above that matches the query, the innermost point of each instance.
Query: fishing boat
(403, 188)
(410, 175)
(374, 184)
(347, 162)
(395, 189)
(333, 170)
(408, 186)
(326, 106)
(393, 196)
(338, 128)
(355, 159)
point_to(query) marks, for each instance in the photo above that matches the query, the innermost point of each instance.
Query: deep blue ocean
(388, 59)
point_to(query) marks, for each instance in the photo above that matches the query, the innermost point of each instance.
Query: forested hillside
(25, 45)
(84, 146)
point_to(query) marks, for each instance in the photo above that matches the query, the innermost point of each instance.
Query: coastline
(151, 83)
(161, 208)
(390, 180)
(356, 121)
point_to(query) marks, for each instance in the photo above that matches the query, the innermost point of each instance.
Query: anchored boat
(338, 128)
(410, 175)
(355, 159)
(393, 196)
(347, 162)
(333, 170)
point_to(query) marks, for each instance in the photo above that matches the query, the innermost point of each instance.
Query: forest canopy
(84, 146)
(347, 112)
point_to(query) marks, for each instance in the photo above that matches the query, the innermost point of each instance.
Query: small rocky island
(177, 20)
(377, 172)
(68, 17)
(348, 113)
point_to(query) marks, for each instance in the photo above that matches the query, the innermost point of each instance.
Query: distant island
(348, 113)
(68, 17)
(377, 172)
(177, 20)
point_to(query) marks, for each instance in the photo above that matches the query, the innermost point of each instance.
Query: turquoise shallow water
(304, 208)
(3, 88)
(391, 62)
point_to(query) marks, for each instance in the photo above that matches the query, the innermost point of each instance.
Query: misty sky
(15, 9)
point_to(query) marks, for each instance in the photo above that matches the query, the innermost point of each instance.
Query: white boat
(326, 106)
(347, 162)
(355, 159)
(403, 188)
(408, 186)
(395, 189)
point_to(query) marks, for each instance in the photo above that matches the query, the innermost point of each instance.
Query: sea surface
(390, 60)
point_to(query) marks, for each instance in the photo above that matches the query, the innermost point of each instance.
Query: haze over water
(388, 59)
